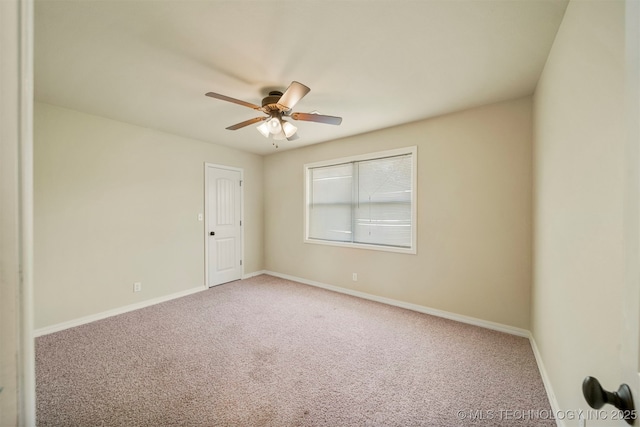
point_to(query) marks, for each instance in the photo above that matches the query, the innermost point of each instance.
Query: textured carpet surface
(270, 352)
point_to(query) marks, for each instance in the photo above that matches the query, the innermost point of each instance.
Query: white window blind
(363, 202)
(330, 214)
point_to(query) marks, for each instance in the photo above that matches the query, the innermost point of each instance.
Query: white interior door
(629, 348)
(630, 345)
(224, 224)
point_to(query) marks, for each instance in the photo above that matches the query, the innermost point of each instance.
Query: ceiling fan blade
(235, 101)
(294, 93)
(307, 117)
(247, 123)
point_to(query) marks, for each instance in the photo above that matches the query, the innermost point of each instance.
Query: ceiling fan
(277, 106)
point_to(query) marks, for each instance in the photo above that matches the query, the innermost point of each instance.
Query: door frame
(16, 202)
(206, 217)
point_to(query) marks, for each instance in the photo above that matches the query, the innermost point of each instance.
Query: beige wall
(474, 216)
(117, 204)
(579, 142)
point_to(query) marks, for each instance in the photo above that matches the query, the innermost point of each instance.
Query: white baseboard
(555, 408)
(415, 307)
(409, 306)
(103, 315)
(452, 316)
(253, 274)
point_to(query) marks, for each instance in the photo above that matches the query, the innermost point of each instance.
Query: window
(365, 201)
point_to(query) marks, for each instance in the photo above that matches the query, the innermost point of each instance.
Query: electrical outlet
(137, 286)
(355, 277)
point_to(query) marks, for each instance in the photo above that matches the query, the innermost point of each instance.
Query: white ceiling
(374, 63)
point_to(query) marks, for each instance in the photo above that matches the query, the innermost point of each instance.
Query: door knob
(597, 397)
(212, 233)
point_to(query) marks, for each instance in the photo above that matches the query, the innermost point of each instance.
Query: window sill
(394, 249)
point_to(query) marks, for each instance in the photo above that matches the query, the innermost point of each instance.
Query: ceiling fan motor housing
(269, 102)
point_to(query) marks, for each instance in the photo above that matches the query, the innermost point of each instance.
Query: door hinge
(240, 223)
(240, 183)
(240, 262)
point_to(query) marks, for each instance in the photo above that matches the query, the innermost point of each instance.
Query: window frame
(413, 151)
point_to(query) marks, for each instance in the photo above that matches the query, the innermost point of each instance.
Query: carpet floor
(271, 352)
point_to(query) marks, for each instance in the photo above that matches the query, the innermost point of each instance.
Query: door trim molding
(206, 218)
(16, 220)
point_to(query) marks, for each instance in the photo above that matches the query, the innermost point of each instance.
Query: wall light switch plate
(200, 217)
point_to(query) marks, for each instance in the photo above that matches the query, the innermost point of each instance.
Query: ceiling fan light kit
(263, 129)
(276, 106)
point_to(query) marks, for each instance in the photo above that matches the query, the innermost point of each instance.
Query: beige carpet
(270, 352)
